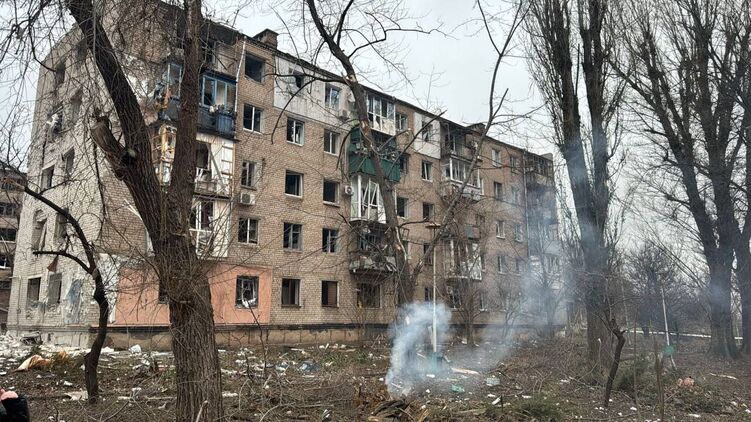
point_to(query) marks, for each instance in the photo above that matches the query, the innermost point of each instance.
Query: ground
(537, 380)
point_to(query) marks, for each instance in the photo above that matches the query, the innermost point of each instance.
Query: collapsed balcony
(456, 144)
(359, 156)
(372, 253)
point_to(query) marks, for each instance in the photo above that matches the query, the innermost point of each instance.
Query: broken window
(428, 258)
(329, 293)
(454, 300)
(500, 229)
(518, 232)
(61, 226)
(427, 130)
(293, 236)
(208, 49)
(514, 163)
(502, 266)
(379, 110)
(427, 211)
(483, 302)
(401, 207)
(32, 291)
(38, 234)
(246, 292)
(401, 122)
(332, 94)
(75, 107)
(329, 240)
(254, 68)
(495, 157)
(330, 191)
(252, 118)
(428, 294)
(330, 142)
(203, 162)
(427, 171)
(202, 215)
(368, 295)
(404, 163)
(217, 93)
(6, 261)
(54, 283)
(248, 176)
(290, 292)
(295, 131)
(498, 191)
(458, 170)
(47, 175)
(60, 74)
(293, 183)
(519, 267)
(298, 78)
(6, 208)
(7, 234)
(174, 77)
(247, 231)
(68, 162)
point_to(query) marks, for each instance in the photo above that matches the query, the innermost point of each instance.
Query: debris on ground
(33, 362)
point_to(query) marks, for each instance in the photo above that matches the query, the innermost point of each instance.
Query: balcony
(216, 120)
(359, 156)
(207, 183)
(449, 188)
(371, 262)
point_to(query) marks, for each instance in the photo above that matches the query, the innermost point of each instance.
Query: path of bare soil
(543, 380)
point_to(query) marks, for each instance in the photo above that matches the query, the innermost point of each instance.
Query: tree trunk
(197, 377)
(91, 360)
(743, 272)
(722, 342)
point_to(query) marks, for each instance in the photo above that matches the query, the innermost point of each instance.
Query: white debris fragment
(633, 408)
(67, 383)
(229, 394)
(136, 348)
(694, 415)
(496, 401)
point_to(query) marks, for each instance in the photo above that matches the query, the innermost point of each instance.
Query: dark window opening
(329, 293)
(246, 292)
(254, 68)
(330, 191)
(293, 236)
(291, 292)
(293, 183)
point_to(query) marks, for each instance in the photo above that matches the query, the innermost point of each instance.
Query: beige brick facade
(104, 207)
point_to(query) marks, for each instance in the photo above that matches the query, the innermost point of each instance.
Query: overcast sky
(450, 72)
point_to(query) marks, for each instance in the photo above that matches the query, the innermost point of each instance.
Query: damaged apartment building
(286, 207)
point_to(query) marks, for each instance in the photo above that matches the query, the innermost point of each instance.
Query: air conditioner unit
(348, 190)
(247, 197)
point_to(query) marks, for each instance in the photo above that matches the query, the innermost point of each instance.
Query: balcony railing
(212, 184)
(450, 188)
(216, 120)
(371, 261)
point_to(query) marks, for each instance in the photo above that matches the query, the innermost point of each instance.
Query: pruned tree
(687, 62)
(557, 58)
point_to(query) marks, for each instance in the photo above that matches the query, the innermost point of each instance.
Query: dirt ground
(536, 380)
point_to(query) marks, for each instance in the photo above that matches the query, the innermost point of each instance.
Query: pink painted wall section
(137, 298)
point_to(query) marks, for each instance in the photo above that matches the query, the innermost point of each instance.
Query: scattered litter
(32, 362)
(464, 371)
(229, 394)
(456, 388)
(686, 382)
(526, 397)
(430, 375)
(492, 381)
(136, 348)
(77, 395)
(496, 401)
(694, 415)
(723, 376)
(67, 384)
(633, 408)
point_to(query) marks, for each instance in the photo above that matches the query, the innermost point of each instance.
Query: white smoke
(413, 331)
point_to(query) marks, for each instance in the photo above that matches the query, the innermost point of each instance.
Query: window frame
(296, 287)
(327, 245)
(328, 284)
(327, 139)
(258, 60)
(289, 230)
(372, 288)
(38, 281)
(240, 281)
(300, 190)
(248, 240)
(248, 170)
(500, 229)
(495, 157)
(431, 214)
(401, 122)
(426, 169)
(254, 109)
(404, 207)
(498, 191)
(327, 98)
(292, 135)
(336, 192)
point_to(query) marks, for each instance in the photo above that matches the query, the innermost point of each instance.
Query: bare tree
(687, 62)
(339, 31)
(553, 47)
